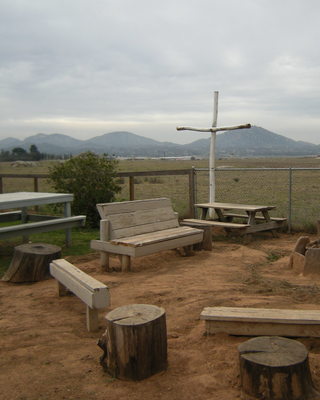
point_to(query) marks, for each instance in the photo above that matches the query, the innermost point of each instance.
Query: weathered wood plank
(232, 225)
(158, 236)
(143, 229)
(261, 315)
(92, 292)
(146, 249)
(257, 321)
(106, 209)
(41, 226)
(231, 206)
(257, 217)
(141, 217)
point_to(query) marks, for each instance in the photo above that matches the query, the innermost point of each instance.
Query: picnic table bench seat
(140, 227)
(52, 224)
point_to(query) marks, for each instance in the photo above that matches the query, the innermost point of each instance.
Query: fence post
(131, 187)
(191, 192)
(36, 184)
(1, 185)
(290, 201)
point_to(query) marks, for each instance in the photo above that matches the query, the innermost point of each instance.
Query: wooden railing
(130, 175)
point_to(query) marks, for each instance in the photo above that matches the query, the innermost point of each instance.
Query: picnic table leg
(266, 215)
(251, 217)
(24, 220)
(67, 213)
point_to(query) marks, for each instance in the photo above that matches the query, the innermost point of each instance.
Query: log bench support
(92, 292)
(261, 321)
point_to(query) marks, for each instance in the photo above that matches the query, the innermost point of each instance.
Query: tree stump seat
(135, 342)
(30, 262)
(275, 368)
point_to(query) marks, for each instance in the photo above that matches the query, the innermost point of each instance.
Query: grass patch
(80, 244)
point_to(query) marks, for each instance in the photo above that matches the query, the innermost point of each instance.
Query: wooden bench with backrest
(261, 321)
(92, 292)
(140, 227)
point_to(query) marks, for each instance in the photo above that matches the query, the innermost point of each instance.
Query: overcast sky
(88, 67)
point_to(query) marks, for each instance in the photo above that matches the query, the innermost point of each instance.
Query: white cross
(213, 130)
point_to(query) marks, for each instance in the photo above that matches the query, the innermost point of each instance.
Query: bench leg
(125, 263)
(105, 261)
(92, 319)
(62, 290)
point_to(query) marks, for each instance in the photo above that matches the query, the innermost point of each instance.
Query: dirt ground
(47, 353)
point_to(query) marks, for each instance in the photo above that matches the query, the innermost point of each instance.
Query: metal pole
(290, 201)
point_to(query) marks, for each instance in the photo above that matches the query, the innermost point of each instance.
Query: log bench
(92, 292)
(261, 321)
(138, 228)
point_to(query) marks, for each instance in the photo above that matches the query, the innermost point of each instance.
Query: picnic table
(17, 203)
(256, 218)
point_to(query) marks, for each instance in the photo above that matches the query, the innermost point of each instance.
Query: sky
(84, 68)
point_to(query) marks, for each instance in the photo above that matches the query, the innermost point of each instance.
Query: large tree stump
(135, 342)
(30, 262)
(275, 368)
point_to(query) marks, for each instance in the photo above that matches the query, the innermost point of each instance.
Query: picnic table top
(231, 206)
(24, 199)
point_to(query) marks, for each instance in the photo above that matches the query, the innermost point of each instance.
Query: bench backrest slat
(130, 218)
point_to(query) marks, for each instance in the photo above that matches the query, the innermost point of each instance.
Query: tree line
(21, 154)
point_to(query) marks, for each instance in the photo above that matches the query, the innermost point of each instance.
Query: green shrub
(91, 178)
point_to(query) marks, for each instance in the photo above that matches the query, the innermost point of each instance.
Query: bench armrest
(104, 229)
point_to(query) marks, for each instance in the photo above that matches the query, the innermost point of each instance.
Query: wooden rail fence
(131, 175)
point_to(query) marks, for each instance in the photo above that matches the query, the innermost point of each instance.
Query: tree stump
(312, 262)
(135, 342)
(275, 368)
(30, 262)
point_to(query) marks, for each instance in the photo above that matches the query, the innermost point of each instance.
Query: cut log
(300, 246)
(30, 262)
(296, 262)
(135, 342)
(312, 262)
(275, 368)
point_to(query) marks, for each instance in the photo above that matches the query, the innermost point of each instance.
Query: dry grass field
(267, 186)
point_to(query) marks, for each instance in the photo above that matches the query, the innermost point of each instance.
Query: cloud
(86, 68)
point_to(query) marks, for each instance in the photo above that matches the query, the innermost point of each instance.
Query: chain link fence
(294, 191)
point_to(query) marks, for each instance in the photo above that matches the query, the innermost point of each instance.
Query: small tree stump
(300, 246)
(135, 342)
(312, 262)
(30, 262)
(275, 368)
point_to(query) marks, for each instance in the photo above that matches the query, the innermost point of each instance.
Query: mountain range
(254, 142)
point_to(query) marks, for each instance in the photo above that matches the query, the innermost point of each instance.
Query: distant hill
(254, 142)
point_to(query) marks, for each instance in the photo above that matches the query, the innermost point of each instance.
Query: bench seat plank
(260, 321)
(258, 217)
(231, 225)
(154, 237)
